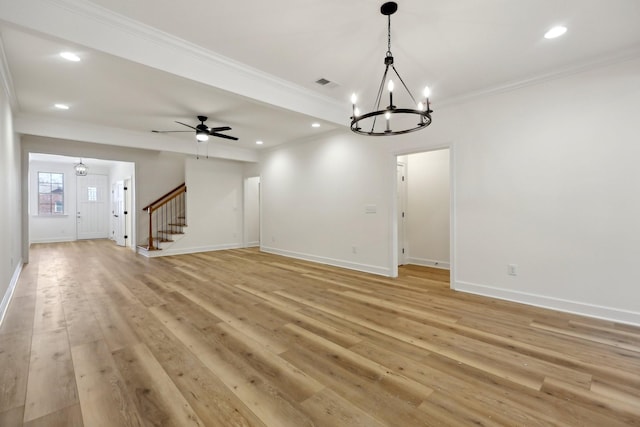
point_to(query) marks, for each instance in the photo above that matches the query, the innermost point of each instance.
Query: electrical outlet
(512, 269)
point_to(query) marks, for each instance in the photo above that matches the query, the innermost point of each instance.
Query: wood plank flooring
(98, 336)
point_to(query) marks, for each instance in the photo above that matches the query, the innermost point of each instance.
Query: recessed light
(555, 32)
(259, 142)
(315, 125)
(70, 56)
(61, 106)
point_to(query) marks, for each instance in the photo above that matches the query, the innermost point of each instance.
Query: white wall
(315, 196)
(214, 206)
(10, 194)
(544, 177)
(427, 211)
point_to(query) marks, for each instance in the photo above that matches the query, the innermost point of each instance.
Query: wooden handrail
(175, 190)
(180, 189)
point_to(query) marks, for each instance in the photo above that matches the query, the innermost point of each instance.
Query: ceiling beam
(31, 124)
(89, 25)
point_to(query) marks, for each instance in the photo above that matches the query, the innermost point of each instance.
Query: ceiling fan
(203, 132)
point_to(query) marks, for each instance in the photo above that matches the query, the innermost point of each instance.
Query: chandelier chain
(388, 35)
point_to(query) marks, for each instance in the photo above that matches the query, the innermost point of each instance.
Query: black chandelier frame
(423, 116)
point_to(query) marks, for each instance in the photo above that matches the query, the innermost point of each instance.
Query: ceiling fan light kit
(202, 131)
(397, 120)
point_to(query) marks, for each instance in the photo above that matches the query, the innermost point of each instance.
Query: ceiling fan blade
(221, 135)
(218, 129)
(167, 131)
(184, 124)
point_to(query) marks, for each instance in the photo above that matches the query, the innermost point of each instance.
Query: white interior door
(402, 203)
(92, 218)
(118, 212)
(128, 222)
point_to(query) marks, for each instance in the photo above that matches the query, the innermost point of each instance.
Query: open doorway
(252, 212)
(81, 204)
(424, 209)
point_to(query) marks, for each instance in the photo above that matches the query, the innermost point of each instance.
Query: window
(50, 193)
(92, 194)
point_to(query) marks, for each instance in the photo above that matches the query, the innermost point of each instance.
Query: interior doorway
(251, 212)
(424, 214)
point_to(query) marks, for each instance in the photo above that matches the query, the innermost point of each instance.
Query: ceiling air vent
(326, 83)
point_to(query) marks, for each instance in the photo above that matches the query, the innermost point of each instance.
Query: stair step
(177, 225)
(170, 232)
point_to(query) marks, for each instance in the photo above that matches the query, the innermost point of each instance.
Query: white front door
(92, 218)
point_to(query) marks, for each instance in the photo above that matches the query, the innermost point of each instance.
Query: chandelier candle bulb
(354, 98)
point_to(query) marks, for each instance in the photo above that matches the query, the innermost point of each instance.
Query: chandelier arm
(376, 105)
(403, 84)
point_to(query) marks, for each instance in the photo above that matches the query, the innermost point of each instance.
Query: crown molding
(103, 30)
(602, 62)
(7, 80)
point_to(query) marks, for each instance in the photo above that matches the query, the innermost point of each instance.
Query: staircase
(167, 221)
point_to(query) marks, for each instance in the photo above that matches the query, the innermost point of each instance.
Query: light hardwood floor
(98, 336)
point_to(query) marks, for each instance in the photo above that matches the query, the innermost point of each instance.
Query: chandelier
(396, 120)
(81, 169)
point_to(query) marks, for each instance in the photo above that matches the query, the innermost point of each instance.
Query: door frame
(393, 251)
(401, 210)
(245, 223)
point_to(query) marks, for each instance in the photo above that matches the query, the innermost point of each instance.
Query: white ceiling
(252, 64)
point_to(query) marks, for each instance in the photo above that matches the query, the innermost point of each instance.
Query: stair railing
(165, 214)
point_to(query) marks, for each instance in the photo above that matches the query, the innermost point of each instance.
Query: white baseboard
(590, 310)
(184, 251)
(6, 299)
(253, 244)
(429, 263)
(381, 271)
(54, 240)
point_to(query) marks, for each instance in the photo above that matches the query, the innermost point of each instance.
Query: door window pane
(92, 194)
